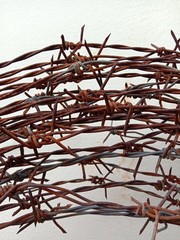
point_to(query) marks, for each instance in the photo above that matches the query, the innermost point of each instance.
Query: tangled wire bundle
(87, 109)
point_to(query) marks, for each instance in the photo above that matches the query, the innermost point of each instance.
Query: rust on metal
(46, 106)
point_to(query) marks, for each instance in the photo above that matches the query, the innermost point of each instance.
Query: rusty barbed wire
(60, 101)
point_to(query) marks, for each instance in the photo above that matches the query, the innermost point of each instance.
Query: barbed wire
(40, 109)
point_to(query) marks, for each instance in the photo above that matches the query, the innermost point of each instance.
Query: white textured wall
(31, 24)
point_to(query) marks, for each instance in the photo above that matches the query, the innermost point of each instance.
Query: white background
(27, 25)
